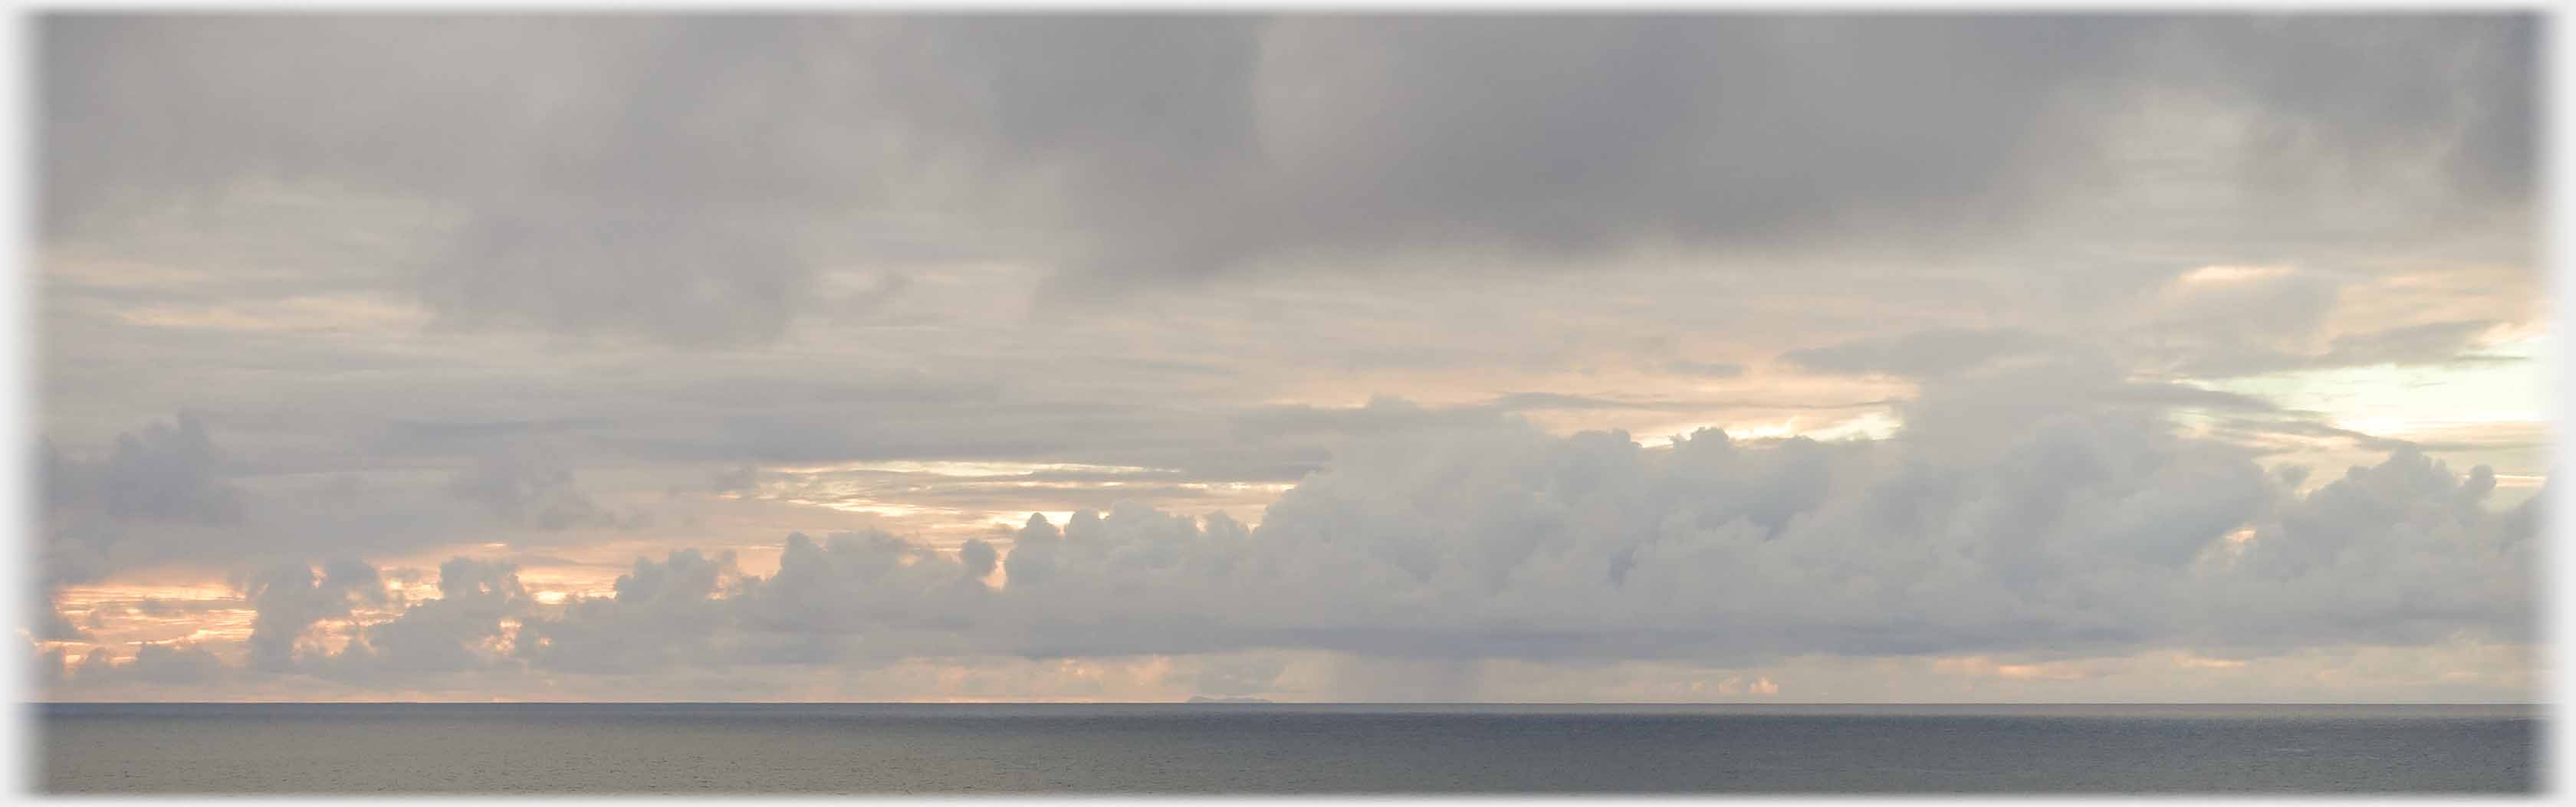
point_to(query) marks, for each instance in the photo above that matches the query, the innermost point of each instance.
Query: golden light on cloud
(2231, 273)
(322, 313)
(2192, 662)
(1055, 517)
(127, 615)
(1870, 425)
(1985, 667)
(951, 468)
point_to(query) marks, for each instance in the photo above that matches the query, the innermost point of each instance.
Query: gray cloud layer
(676, 179)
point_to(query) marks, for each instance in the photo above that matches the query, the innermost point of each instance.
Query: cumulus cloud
(167, 664)
(2081, 531)
(291, 597)
(169, 495)
(163, 478)
(454, 632)
(656, 618)
(2094, 530)
(166, 472)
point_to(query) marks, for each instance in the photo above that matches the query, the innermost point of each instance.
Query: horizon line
(1230, 702)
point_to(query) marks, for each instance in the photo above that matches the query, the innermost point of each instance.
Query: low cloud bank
(2093, 529)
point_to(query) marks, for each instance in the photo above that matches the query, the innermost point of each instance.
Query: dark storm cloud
(2355, 94)
(1570, 136)
(667, 178)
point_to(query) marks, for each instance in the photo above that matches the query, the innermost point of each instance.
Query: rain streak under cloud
(1721, 357)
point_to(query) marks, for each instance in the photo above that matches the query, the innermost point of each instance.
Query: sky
(1714, 358)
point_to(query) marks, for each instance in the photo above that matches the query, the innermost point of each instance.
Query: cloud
(2248, 330)
(611, 248)
(291, 597)
(1704, 369)
(164, 664)
(2428, 343)
(708, 285)
(2222, 321)
(596, 177)
(864, 589)
(2094, 530)
(606, 187)
(165, 472)
(1237, 676)
(528, 485)
(455, 632)
(2343, 102)
(46, 622)
(165, 478)
(169, 495)
(2241, 307)
(1919, 354)
(657, 618)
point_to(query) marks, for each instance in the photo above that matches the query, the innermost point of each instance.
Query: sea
(1231, 748)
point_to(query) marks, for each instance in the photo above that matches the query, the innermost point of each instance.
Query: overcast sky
(1134, 358)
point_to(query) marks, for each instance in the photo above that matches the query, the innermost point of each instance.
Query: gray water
(1199, 748)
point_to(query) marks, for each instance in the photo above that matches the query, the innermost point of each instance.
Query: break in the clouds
(2067, 357)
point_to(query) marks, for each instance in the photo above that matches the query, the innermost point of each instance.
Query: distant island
(1206, 699)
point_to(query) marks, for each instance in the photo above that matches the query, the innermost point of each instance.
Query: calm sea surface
(874, 748)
